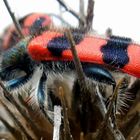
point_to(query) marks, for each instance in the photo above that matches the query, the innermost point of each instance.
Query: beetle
(44, 54)
(50, 52)
(20, 59)
(115, 51)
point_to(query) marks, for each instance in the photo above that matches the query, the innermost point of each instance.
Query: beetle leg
(99, 73)
(42, 98)
(41, 92)
(15, 83)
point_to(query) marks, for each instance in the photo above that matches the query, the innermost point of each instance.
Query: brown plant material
(107, 118)
(66, 129)
(70, 10)
(15, 21)
(90, 15)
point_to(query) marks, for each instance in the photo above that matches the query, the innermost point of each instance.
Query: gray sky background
(123, 16)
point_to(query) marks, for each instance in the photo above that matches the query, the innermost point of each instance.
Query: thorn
(14, 131)
(22, 111)
(77, 63)
(70, 10)
(90, 15)
(109, 111)
(16, 23)
(16, 121)
(67, 134)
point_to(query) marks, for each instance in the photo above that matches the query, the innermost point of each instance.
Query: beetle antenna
(15, 21)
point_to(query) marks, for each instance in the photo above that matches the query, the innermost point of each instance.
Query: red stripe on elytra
(37, 47)
(89, 50)
(133, 66)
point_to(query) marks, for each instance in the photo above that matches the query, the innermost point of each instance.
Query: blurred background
(122, 16)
